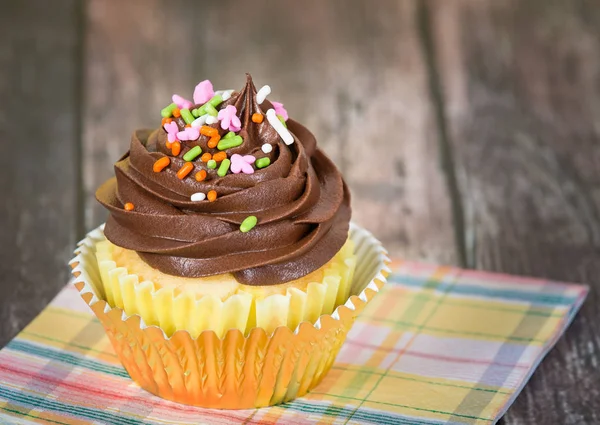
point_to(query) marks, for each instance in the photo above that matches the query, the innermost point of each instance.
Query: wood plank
(38, 169)
(352, 73)
(522, 101)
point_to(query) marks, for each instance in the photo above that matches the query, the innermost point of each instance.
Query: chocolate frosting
(301, 202)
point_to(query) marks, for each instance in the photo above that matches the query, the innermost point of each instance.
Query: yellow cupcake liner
(234, 371)
(174, 310)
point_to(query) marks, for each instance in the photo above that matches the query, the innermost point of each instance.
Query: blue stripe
(72, 359)
(31, 401)
(461, 289)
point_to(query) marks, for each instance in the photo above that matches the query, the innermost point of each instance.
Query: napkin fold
(437, 345)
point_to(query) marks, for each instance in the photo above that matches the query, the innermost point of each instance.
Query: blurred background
(467, 130)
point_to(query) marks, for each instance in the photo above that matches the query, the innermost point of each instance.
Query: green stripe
(69, 343)
(31, 416)
(68, 358)
(36, 402)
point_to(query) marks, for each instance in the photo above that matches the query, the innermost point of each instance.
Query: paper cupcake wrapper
(234, 371)
(173, 310)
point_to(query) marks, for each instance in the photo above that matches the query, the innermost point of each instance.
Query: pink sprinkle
(229, 121)
(171, 129)
(280, 110)
(181, 102)
(189, 133)
(203, 92)
(242, 164)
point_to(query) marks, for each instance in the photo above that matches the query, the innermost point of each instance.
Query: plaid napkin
(438, 345)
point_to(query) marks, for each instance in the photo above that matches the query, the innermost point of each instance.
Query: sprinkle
(172, 130)
(192, 153)
(129, 206)
(223, 168)
(175, 148)
(210, 110)
(200, 175)
(165, 121)
(206, 157)
(266, 148)
(229, 119)
(203, 92)
(219, 156)
(216, 100)
(257, 118)
(211, 195)
(168, 144)
(160, 164)
(230, 142)
(287, 137)
(228, 135)
(181, 102)
(176, 113)
(248, 223)
(195, 113)
(211, 120)
(263, 162)
(185, 170)
(208, 131)
(212, 164)
(227, 94)
(282, 120)
(199, 196)
(189, 133)
(242, 164)
(187, 116)
(213, 141)
(262, 94)
(199, 122)
(167, 111)
(280, 110)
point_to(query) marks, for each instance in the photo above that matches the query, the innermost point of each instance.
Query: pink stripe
(437, 357)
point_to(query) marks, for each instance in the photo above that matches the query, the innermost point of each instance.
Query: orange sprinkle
(166, 121)
(208, 131)
(176, 113)
(175, 148)
(188, 125)
(206, 157)
(129, 206)
(185, 170)
(220, 156)
(211, 195)
(214, 141)
(257, 118)
(200, 175)
(160, 164)
(168, 144)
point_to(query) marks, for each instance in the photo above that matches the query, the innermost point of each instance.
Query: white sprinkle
(262, 94)
(211, 120)
(226, 94)
(287, 137)
(266, 148)
(199, 122)
(198, 197)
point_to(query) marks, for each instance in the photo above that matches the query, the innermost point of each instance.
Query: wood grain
(38, 168)
(521, 88)
(353, 74)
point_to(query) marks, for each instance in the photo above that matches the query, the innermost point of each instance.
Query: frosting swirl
(300, 200)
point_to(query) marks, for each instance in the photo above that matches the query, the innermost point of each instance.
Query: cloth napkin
(437, 345)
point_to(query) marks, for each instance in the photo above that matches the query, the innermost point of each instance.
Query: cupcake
(227, 275)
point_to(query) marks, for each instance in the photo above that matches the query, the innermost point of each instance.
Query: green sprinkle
(168, 111)
(229, 142)
(192, 153)
(248, 223)
(216, 100)
(228, 135)
(201, 110)
(260, 163)
(282, 120)
(210, 110)
(212, 164)
(195, 113)
(223, 168)
(187, 116)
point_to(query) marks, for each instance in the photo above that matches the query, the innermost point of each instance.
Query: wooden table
(468, 132)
